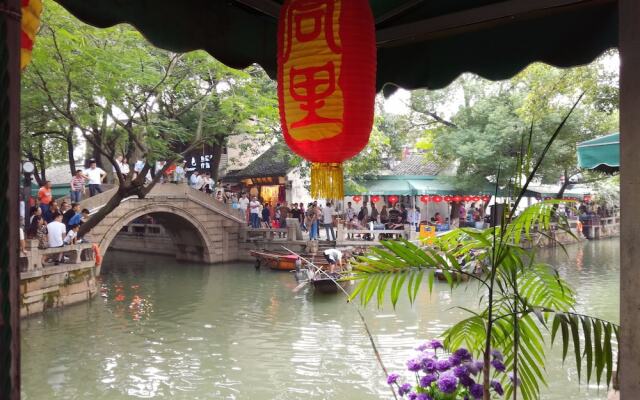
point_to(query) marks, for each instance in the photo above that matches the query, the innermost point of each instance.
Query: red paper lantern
(486, 198)
(393, 199)
(457, 198)
(424, 199)
(436, 199)
(448, 199)
(467, 198)
(586, 198)
(357, 199)
(375, 199)
(475, 198)
(326, 84)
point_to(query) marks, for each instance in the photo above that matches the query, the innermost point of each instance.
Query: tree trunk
(215, 160)
(72, 160)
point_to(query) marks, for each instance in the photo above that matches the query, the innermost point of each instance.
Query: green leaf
(573, 323)
(588, 346)
(597, 339)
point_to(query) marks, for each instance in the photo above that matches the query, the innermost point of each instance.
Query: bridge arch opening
(160, 230)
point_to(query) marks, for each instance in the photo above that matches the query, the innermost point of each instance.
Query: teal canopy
(406, 185)
(600, 154)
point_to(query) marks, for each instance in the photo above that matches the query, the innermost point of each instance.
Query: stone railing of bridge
(46, 283)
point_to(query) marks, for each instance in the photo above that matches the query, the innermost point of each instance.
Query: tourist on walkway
(384, 215)
(72, 235)
(374, 213)
(51, 211)
(193, 180)
(312, 222)
(70, 213)
(284, 214)
(254, 208)
(327, 220)
(80, 217)
(95, 176)
(77, 186)
(56, 232)
(295, 212)
(45, 196)
(243, 205)
(363, 215)
(266, 215)
(302, 215)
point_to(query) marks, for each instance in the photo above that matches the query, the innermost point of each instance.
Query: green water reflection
(178, 331)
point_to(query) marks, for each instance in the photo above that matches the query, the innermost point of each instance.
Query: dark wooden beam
(9, 189)
(406, 6)
(267, 7)
(629, 346)
(477, 18)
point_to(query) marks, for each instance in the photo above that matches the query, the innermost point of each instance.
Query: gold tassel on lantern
(327, 181)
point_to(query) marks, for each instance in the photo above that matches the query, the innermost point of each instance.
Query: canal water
(178, 331)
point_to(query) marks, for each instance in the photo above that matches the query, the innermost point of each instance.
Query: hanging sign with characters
(326, 84)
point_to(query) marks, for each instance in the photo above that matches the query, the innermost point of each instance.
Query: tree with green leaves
(125, 98)
(520, 296)
(493, 119)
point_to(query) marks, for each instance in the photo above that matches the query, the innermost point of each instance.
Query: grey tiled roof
(416, 164)
(276, 161)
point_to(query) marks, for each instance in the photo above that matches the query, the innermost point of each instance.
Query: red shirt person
(45, 196)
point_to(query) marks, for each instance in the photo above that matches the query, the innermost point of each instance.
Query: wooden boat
(324, 284)
(283, 261)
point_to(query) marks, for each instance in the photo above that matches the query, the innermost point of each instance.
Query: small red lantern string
(486, 198)
(393, 199)
(357, 199)
(424, 198)
(375, 199)
(475, 198)
(467, 198)
(457, 198)
(436, 199)
(448, 199)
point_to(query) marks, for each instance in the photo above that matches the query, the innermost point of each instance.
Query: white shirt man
(254, 206)
(243, 203)
(349, 213)
(57, 232)
(193, 179)
(94, 175)
(327, 214)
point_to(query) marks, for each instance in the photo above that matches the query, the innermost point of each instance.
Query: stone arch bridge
(201, 228)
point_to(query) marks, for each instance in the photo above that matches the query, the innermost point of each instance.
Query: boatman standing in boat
(333, 256)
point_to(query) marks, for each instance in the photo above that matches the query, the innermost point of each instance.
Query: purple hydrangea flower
(423, 396)
(463, 354)
(423, 346)
(498, 365)
(517, 382)
(477, 391)
(478, 365)
(429, 365)
(436, 344)
(447, 383)
(413, 365)
(443, 365)
(461, 371)
(497, 387)
(427, 380)
(412, 396)
(392, 378)
(404, 389)
(454, 360)
(496, 354)
(466, 381)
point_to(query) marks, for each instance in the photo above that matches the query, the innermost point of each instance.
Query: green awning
(421, 44)
(601, 154)
(384, 186)
(412, 186)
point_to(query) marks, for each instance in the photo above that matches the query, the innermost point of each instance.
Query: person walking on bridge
(95, 175)
(254, 207)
